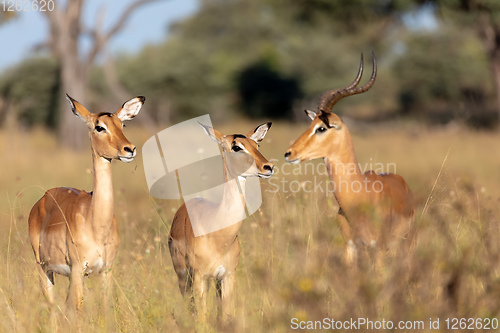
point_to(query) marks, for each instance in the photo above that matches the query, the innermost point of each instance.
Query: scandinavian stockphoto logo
(182, 162)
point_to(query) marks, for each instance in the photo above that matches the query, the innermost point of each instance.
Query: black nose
(268, 167)
(128, 149)
(287, 154)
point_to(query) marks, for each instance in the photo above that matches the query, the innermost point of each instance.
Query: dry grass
(291, 262)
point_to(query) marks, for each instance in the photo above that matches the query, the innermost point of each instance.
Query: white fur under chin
(126, 159)
(297, 161)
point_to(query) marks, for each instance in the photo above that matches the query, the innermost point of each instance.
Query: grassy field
(291, 263)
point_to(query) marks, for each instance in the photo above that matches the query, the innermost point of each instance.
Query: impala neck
(343, 170)
(232, 205)
(102, 198)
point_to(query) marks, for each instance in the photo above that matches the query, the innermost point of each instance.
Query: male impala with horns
(376, 210)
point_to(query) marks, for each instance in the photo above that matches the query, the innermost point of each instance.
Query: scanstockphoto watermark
(320, 181)
(366, 324)
(360, 324)
(192, 169)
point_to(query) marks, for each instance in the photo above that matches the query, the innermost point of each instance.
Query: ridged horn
(330, 97)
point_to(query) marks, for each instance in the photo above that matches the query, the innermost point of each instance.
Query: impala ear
(79, 110)
(311, 114)
(331, 120)
(212, 133)
(259, 133)
(130, 108)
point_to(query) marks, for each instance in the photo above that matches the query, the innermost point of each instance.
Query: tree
(30, 91)
(315, 42)
(66, 30)
(441, 75)
(265, 93)
(483, 16)
(6, 16)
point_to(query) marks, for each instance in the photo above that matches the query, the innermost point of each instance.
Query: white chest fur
(96, 266)
(219, 272)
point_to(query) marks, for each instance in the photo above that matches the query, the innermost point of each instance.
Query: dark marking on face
(323, 116)
(239, 136)
(104, 114)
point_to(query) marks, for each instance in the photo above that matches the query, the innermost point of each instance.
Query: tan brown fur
(366, 216)
(196, 259)
(73, 232)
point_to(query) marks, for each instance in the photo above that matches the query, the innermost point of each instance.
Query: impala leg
(218, 292)
(200, 291)
(351, 252)
(376, 256)
(185, 280)
(74, 301)
(47, 284)
(106, 294)
(184, 275)
(227, 286)
(180, 268)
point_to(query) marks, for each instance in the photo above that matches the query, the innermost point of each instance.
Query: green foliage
(482, 18)
(264, 92)
(32, 89)
(198, 68)
(343, 16)
(265, 58)
(439, 71)
(469, 12)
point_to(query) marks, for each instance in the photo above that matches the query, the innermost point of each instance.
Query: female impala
(215, 255)
(374, 208)
(73, 232)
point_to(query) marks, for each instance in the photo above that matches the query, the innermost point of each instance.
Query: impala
(376, 210)
(74, 233)
(215, 255)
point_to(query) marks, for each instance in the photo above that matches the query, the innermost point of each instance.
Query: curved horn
(358, 76)
(350, 90)
(329, 93)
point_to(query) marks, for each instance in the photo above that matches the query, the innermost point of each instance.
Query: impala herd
(74, 233)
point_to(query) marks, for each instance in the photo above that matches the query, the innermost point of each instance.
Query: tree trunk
(65, 32)
(495, 62)
(72, 132)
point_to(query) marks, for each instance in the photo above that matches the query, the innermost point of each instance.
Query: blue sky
(422, 19)
(147, 25)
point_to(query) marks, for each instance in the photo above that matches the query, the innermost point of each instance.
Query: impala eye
(236, 148)
(320, 129)
(100, 129)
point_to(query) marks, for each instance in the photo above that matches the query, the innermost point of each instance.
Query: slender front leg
(351, 252)
(227, 286)
(74, 301)
(106, 294)
(75, 292)
(200, 289)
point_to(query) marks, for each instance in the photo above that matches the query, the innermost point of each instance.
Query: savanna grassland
(291, 264)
